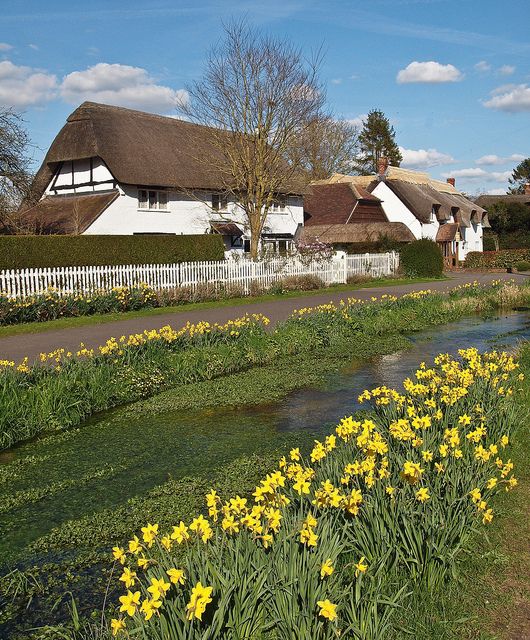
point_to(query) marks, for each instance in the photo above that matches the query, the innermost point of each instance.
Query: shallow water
(136, 454)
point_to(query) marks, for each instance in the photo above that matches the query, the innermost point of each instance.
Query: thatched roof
(67, 214)
(361, 232)
(140, 149)
(447, 232)
(341, 204)
(421, 194)
(487, 201)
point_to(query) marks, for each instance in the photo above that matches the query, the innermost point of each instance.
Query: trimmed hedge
(422, 259)
(496, 259)
(26, 252)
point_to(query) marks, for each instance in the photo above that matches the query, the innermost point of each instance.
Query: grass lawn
(67, 323)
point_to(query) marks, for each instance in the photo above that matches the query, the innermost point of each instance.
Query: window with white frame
(151, 200)
(219, 201)
(278, 204)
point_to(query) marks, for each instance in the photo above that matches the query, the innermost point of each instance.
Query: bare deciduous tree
(15, 175)
(326, 146)
(259, 95)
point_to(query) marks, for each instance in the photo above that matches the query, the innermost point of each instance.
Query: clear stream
(135, 454)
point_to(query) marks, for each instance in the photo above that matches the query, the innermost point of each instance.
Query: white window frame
(219, 202)
(158, 205)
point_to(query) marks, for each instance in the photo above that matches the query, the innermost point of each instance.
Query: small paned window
(219, 202)
(152, 200)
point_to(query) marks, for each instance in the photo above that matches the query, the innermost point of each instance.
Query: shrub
(31, 252)
(422, 258)
(496, 259)
(522, 265)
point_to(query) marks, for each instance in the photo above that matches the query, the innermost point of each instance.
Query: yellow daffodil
(128, 577)
(119, 554)
(177, 576)
(326, 569)
(327, 609)
(422, 495)
(117, 625)
(361, 567)
(200, 597)
(130, 602)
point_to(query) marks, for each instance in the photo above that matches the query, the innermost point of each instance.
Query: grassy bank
(43, 326)
(33, 593)
(76, 552)
(384, 506)
(490, 599)
(67, 388)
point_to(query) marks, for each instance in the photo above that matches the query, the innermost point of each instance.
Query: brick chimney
(527, 189)
(382, 166)
(451, 181)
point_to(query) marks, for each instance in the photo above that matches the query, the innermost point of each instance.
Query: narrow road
(31, 345)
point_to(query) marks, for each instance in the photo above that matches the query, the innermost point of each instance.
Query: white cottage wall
(396, 211)
(472, 240)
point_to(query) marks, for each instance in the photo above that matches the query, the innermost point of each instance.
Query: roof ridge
(101, 106)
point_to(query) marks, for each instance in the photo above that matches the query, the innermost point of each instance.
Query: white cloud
(121, 85)
(359, 120)
(5, 47)
(336, 81)
(512, 98)
(23, 86)
(483, 66)
(33, 46)
(506, 70)
(429, 72)
(424, 158)
(494, 159)
(476, 173)
(496, 192)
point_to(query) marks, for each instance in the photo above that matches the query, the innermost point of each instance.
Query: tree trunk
(254, 244)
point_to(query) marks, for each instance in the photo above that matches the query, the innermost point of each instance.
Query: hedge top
(26, 252)
(422, 259)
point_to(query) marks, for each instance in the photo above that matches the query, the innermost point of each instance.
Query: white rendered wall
(396, 211)
(471, 240)
(184, 215)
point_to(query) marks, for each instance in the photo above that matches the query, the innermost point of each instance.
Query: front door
(450, 254)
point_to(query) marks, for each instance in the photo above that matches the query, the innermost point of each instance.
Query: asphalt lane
(31, 345)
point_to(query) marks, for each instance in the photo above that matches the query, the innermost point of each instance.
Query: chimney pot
(382, 165)
(527, 189)
(451, 181)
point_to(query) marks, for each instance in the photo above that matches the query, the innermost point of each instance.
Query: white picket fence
(21, 283)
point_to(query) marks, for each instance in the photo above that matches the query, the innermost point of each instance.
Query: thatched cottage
(112, 170)
(427, 208)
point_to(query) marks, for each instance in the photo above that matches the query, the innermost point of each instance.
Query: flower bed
(332, 540)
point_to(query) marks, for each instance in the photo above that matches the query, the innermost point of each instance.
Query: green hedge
(422, 259)
(24, 252)
(496, 259)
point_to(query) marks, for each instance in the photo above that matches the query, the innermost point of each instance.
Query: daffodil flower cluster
(427, 455)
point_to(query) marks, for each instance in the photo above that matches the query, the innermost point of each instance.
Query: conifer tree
(520, 177)
(377, 140)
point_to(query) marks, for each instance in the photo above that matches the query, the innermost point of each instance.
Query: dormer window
(278, 204)
(150, 200)
(219, 202)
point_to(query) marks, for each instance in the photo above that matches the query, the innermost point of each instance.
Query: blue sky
(452, 76)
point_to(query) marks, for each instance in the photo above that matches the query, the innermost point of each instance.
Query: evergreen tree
(520, 177)
(377, 140)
